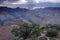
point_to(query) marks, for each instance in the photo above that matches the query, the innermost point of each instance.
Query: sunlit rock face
(47, 15)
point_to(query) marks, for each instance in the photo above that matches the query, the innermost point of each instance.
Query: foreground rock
(43, 38)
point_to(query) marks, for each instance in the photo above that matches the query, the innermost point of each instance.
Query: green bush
(58, 27)
(55, 26)
(27, 30)
(52, 33)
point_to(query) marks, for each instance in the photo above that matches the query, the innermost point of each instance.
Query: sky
(30, 3)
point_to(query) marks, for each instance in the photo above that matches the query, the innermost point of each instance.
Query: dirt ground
(5, 33)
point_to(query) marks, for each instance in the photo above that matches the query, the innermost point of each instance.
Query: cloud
(29, 3)
(20, 2)
(53, 1)
(1, 1)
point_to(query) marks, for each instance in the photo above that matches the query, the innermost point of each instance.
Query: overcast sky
(15, 3)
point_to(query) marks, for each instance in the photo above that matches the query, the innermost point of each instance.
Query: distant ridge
(45, 15)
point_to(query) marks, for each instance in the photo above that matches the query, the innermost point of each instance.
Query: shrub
(27, 30)
(55, 26)
(52, 33)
